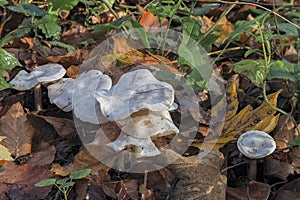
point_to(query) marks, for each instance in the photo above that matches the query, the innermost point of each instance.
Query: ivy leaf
(7, 61)
(27, 9)
(49, 26)
(252, 69)
(58, 5)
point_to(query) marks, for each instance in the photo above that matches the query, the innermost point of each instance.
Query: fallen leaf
(4, 152)
(262, 118)
(254, 191)
(23, 177)
(146, 193)
(150, 22)
(128, 190)
(295, 156)
(15, 127)
(277, 169)
(44, 154)
(289, 191)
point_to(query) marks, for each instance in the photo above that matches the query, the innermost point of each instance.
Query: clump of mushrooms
(138, 103)
(82, 89)
(42, 74)
(256, 144)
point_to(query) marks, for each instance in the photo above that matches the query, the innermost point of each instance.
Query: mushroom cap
(61, 93)
(134, 91)
(77, 94)
(256, 144)
(148, 148)
(41, 74)
(146, 123)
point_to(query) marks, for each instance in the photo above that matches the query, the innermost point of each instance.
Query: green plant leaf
(283, 69)
(105, 28)
(58, 5)
(27, 9)
(17, 33)
(191, 27)
(63, 181)
(49, 26)
(3, 3)
(46, 182)
(80, 174)
(252, 69)
(295, 142)
(141, 32)
(68, 47)
(7, 61)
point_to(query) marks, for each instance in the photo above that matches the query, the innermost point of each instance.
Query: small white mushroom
(78, 94)
(146, 145)
(146, 123)
(41, 74)
(134, 91)
(256, 144)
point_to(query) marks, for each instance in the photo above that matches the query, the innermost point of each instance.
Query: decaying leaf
(262, 118)
(150, 21)
(22, 178)
(15, 127)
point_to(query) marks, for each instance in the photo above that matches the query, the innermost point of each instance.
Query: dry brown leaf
(150, 21)
(277, 169)
(254, 191)
(63, 126)
(295, 156)
(226, 26)
(44, 154)
(128, 190)
(262, 118)
(291, 190)
(82, 160)
(15, 126)
(23, 177)
(125, 53)
(146, 194)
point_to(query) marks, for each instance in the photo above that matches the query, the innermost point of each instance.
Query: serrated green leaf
(17, 33)
(252, 69)
(250, 51)
(27, 9)
(58, 5)
(295, 142)
(80, 174)
(50, 26)
(191, 27)
(7, 61)
(46, 182)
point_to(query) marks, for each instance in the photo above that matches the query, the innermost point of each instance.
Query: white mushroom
(134, 91)
(41, 74)
(146, 123)
(147, 146)
(140, 126)
(78, 94)
(256, 144)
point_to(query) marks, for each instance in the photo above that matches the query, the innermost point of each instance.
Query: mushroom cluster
(138, 102)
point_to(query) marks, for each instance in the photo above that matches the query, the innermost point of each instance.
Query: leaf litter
(29, 155)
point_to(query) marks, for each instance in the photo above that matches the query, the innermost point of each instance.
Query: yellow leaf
(262, 118)
(4, 152)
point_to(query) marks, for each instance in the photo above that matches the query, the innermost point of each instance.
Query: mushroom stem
(37, 91)
(252, 170)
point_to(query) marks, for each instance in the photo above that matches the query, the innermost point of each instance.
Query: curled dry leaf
(151, 22)
(15, 126)
(262, 118)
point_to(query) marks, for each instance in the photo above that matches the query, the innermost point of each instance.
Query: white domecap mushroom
(41, 74)
(134, 91)
(78, 94)
(256, 144)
